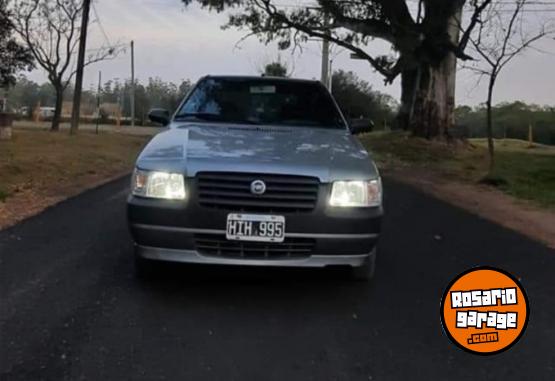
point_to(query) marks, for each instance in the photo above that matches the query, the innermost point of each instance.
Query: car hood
(324, 153)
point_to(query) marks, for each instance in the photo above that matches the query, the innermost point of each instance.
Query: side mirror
(361, 126)
(160, 116)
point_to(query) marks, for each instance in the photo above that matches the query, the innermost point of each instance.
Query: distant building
(111, 110)
(47, 112)
(87, 110)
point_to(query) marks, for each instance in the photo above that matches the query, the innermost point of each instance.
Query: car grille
(231, 191)
(218, 246)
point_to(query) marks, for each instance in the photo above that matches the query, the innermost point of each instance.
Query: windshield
(264, 101)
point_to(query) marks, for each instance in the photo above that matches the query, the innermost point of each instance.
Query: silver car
(256, 171)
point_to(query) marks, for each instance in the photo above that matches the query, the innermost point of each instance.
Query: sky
(174, 42)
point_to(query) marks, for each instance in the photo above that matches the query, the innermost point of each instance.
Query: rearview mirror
(361, 125)
(160, 116)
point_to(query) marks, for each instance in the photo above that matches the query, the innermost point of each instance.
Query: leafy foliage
(275, 69)
(156, 93)
(510, 120)
(26, 93)
(13, 55)
(426, 38)
(357, 99)
(417, 38)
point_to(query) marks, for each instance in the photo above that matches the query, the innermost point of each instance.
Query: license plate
(255, 227)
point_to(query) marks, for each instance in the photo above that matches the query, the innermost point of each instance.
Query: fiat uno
(256, 171)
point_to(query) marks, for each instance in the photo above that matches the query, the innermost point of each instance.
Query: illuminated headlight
(169, 186)
(356, 193)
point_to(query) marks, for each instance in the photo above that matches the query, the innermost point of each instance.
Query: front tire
(365, 272)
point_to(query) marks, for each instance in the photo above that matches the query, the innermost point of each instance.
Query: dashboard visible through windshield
(264, 101)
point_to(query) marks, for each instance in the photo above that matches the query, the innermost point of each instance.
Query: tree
(13, 55)
(24, 93)
(357, 99)
(498, 40)
(275, 69)
(156, 94)
(184, 89)
(509, 120)
(51, 29)
(426, 42)
(162, 94)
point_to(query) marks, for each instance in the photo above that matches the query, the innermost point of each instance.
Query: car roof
(262, 78)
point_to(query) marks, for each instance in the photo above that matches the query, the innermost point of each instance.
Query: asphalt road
(72, 309)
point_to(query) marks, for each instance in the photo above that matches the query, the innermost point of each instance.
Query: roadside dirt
(29, 202)
(484, 201)
(39, 168)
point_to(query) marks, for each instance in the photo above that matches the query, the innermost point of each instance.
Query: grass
(529, 176)
(51, 164)
(524, 171)
(3, 195)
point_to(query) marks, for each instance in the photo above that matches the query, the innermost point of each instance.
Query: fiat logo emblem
(258, 187)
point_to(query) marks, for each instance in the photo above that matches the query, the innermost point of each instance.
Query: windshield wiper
(213, 118)
(199, 115)
(246, 121)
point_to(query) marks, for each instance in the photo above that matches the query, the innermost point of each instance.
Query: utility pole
(132, 83)
(98, 100)
(75, 115)
(330, 76)
(326, 55)
(325, 62)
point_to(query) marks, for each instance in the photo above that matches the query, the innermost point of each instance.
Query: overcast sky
(174, 43)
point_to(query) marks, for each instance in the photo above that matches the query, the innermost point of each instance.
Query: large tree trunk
(433, 113)
(58, 108)
(428, 92)
(408, 92)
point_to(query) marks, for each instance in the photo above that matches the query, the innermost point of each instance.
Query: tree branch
(272, 11)
(474, 20)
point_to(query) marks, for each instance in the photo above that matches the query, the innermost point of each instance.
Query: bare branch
(474, 20)
(499, 40)
(272, 11)
(50, 28)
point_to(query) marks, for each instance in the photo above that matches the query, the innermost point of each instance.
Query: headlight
(170, 186)
(356, 193)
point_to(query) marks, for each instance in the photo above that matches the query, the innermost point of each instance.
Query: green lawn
(520, 170)
(3, 194)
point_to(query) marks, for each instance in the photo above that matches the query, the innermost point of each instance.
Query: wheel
(366, 271)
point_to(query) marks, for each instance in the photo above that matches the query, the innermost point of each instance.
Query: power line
(502, 3)
(314, 6)
(100, 25)
(528, 10)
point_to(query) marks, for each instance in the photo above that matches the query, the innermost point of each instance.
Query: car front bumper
(169, 231)
(193, 256)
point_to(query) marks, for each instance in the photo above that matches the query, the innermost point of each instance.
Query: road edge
(53, 202)
(488, 203)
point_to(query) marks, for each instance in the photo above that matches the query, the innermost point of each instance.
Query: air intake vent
(232, 191)
(218, 246)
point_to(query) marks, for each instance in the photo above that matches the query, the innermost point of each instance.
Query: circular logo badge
(484, 310)
(258, 187)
